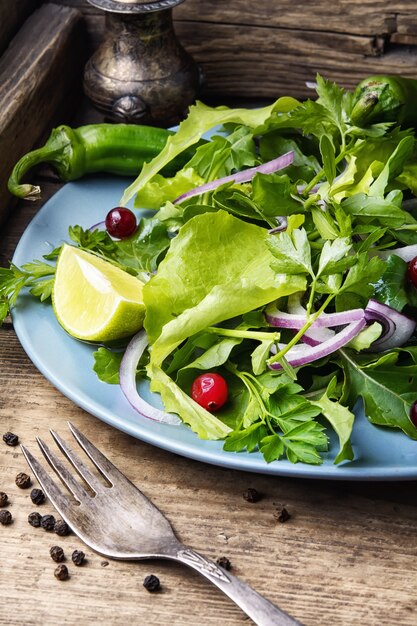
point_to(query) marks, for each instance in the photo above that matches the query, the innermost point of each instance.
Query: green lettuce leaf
(201, 118)
(218, 267)
(160, 189)
(205, 424)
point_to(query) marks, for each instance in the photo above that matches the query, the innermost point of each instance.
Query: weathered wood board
(265, 49)
(12, 15)
(40, 71)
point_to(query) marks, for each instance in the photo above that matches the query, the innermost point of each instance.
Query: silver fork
(119, 522)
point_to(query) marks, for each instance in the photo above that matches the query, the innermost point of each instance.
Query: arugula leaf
(387, 388)
(358, 285)
(305, 163)
(393, 288)
(382, 210)
(275, 194)
(327, 151)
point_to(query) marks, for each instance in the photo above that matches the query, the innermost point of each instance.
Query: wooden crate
(12, 16)
(40, 77)
(264, 48)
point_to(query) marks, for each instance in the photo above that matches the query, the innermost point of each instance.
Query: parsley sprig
(37, 277)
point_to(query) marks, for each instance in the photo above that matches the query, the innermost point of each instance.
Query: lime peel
(93, 299)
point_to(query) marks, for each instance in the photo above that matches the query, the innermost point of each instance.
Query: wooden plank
(39, 71)
(12, 15)
(274, 62)
(367, 17)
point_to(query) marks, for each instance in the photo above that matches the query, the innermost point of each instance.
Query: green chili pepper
(385, 99)
(113, 148)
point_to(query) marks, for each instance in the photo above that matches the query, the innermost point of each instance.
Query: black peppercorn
(3, 498)
(48, 522)
(10, 439)
(57, 554)
(251, 495)
(282, 515)
(37, 496)
(224, 562)
(151, 583)
(78, 557)
(5, 517)
(23, 480)
(61, 572)
(34, 519)
(61, 528)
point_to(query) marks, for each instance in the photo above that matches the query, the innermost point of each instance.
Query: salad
(279, 272)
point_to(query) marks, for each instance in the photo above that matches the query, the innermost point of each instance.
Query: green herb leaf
(107, 365)
(387, 388)
(272, 448)
(246, 439)
(292, 253)
(341, 420)
(218, 267)
(393, 288)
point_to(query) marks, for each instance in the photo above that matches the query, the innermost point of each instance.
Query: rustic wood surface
(266, 49)
(347, 556)
(12, 15)
(39, 73)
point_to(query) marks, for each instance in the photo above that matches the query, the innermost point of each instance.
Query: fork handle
(258, 608)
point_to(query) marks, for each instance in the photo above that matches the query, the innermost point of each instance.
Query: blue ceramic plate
(380, 454)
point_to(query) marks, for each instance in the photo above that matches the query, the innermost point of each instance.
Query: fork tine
(54, 493)
(91, 480)
(67, 478)
(102, 463)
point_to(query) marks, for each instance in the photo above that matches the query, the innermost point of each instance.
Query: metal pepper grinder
(140, 73)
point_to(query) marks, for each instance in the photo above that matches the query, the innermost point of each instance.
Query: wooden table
(347, 556)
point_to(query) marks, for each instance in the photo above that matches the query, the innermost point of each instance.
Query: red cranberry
(120, 222)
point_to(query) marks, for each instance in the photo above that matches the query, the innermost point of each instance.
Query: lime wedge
(95, 300)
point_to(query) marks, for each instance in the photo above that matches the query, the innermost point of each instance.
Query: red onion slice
(98, 226)
(127, 375)
(278, 318)
(406, 253)
(241, 177)
(315, 336)
(307, 354)
(282, 225)
(398, 328)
